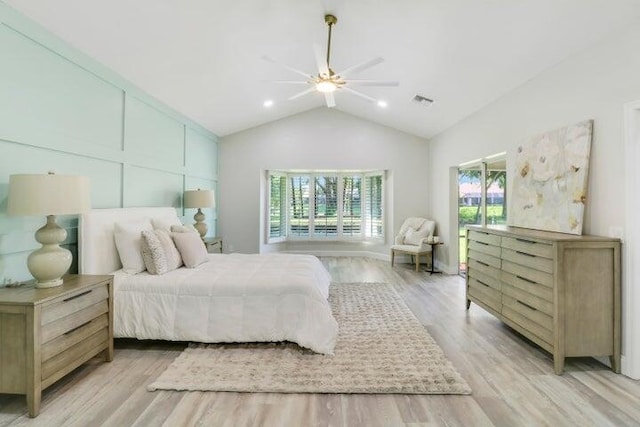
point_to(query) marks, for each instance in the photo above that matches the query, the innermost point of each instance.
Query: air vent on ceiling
(422, 100)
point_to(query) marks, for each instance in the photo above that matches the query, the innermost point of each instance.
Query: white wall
(594, 84)
(320, 139)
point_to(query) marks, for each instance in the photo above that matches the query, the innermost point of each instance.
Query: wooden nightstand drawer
(74, 320)
(63, 363)
(73, 303)
(74, 336)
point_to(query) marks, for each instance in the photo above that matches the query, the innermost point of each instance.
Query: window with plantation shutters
(325, 209)
(277, 206)
(332, 205)
(352, 206)
(374, 221)
(299, 206)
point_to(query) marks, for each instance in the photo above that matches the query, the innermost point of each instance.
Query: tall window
(329, 206)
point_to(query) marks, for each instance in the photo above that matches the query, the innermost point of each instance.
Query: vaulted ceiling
(204, 57)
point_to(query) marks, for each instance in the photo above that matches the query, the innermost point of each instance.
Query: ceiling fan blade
(361, 67)
(295, 70)
(388, 83)
(360, 94)
(321, 61)
(330, 99)
(288, 82)
(304, 92)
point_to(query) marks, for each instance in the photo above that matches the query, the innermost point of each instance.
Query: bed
(230, 298)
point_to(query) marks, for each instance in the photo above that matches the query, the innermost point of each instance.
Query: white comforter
(231, 298)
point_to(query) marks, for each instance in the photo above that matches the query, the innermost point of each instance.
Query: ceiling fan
(327, 81)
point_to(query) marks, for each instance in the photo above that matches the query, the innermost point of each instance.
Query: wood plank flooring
(512, 379)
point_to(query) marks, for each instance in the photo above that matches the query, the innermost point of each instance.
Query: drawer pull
(482, 263)
(77, 296)
(482, 243)
(526, 305)
(526, 241)
(527, 280)
(525, 254)
(482, 283)
(81, 326)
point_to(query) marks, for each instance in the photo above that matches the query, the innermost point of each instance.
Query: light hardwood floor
(512, 380)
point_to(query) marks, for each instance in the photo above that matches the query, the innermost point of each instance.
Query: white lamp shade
(48, 195)
(199, 199)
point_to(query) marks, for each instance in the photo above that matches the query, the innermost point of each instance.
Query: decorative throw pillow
(191, 248)
(153, 254)
(128, 239)
(413, 237)
(184, 228)
(174, 260)
(159, 252)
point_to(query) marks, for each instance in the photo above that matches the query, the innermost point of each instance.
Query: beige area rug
(381, 348)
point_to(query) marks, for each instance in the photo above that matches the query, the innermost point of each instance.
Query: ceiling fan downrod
(330, 20)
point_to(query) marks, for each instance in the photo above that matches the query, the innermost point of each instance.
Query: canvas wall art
(550, 180)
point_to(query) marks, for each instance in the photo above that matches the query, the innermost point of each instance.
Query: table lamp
(49, 195)
(199, 199)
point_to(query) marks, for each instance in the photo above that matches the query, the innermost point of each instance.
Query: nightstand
(47, 333)
(213, 244)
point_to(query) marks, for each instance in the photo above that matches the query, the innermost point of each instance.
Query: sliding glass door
(482, 198)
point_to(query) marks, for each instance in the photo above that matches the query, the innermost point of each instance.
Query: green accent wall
(64, 112)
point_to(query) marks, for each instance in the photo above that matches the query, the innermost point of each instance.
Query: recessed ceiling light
(268, 103)
(382, 104)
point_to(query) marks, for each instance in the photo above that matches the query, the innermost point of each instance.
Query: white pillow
(159, 252)
(128, 238)
(191, 248)
(184, 228)
(413, 237)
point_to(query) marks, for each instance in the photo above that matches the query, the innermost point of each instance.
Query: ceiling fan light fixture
(326, 86)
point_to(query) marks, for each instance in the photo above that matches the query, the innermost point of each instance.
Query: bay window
(333, 205)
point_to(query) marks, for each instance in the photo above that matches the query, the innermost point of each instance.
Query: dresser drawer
(528, 260)
(484, 259)
(529, 286)
(534, 321)
(485, 294)
(531, 247)
(485, 248)
(485, 279)
(528, 273)
(474, 265)
(529, 299)
(479, 236)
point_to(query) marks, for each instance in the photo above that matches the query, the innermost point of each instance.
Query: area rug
(381, 348)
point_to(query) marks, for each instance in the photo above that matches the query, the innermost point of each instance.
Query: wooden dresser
(559, 290)
(47, 333)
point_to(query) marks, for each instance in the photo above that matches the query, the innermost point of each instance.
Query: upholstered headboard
(96, 246)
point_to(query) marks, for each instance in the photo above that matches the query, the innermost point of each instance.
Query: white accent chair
(412, 239)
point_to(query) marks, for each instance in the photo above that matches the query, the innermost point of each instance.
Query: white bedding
(249, 297)
(231, 298)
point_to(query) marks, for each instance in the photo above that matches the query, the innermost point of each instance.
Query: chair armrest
(399, 240)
